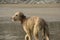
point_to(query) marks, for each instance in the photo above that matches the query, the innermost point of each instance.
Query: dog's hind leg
(45, 33)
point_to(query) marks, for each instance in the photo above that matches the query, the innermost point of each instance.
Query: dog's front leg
(28, 37)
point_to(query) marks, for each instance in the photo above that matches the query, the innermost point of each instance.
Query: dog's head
(18, 16)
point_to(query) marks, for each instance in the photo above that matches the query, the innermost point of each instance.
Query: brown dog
(32, 25)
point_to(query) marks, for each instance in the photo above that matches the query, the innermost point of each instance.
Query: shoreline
(55, 5)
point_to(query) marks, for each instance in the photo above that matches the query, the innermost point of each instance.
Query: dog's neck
(23, 20)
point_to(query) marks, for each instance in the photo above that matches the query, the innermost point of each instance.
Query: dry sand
(54, 5)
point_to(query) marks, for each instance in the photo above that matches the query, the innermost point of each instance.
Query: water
(13, 30)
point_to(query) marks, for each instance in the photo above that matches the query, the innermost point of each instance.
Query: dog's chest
(28, 25)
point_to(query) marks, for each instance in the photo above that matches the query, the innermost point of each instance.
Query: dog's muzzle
(13, 19)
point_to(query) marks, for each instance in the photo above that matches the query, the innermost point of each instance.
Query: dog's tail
(45, 32)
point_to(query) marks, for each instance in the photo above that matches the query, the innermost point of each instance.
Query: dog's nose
(12, 18)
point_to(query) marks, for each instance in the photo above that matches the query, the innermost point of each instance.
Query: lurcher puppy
(32, 25)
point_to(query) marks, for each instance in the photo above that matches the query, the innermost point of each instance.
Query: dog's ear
(22, 16)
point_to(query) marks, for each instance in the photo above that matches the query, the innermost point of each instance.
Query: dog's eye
(16, 15)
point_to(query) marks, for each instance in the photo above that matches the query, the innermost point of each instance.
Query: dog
(32, 26)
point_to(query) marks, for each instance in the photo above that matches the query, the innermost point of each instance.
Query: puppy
(32, 26)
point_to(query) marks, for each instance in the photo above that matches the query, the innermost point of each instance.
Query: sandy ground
(54, 5)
